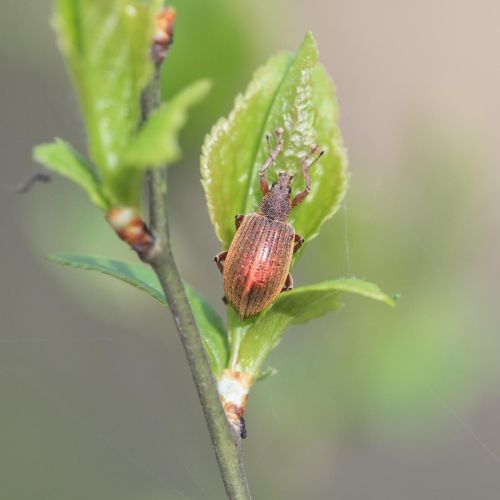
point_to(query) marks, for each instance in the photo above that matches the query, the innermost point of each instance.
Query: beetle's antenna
(278, 133)
(306, 165)
(268, 140)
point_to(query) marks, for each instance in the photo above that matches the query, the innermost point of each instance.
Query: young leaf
(156, 142)
(210, 324)
(293, 93)
(328, 175)
(229, 150)
(295, 307)
(60, 157)
(106, 45)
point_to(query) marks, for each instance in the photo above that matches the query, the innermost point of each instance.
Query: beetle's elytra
(256, 266)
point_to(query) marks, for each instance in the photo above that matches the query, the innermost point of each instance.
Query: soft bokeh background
(96, 401)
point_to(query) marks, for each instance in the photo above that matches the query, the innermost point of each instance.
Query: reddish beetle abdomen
(257, 263)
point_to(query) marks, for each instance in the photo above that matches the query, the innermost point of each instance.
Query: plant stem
(226, 445)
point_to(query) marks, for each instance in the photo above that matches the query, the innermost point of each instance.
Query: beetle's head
(284, 183)
(276, 204)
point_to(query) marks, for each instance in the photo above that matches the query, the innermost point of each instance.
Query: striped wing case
(257, 263)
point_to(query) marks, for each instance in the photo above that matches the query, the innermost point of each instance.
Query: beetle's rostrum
(256, 267)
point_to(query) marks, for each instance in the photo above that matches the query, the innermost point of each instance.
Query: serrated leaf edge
(222, 125)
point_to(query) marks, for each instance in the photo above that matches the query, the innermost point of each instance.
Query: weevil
(256, 268)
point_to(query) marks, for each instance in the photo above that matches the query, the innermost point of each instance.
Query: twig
(225, 443)
(40, 176)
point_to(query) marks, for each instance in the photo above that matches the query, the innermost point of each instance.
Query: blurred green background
(96, 401)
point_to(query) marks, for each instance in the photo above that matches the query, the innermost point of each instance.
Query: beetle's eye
(289, 189)
(273, 184)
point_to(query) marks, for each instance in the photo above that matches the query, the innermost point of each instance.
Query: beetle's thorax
(276, 204)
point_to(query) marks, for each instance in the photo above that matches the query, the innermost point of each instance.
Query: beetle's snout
(284, 180)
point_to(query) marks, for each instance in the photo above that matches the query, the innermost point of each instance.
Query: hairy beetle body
(256, 266)
(257, 263)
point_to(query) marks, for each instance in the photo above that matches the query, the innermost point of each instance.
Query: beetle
(256, 268)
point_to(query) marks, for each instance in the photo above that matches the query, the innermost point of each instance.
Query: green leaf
(230, 148)
(209, 322)
(60, 157)
(328, 175)
(106, 45)
(212, 330)
(156, 142)
(295, 307)
(296, 94)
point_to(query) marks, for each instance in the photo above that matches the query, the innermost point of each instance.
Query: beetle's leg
(288, 283)
(273, 154)
(238, 219)
(307, 163)
(299, 241)
(219, 259)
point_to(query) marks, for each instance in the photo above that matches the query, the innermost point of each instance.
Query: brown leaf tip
(163, 34)
(132, 229)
